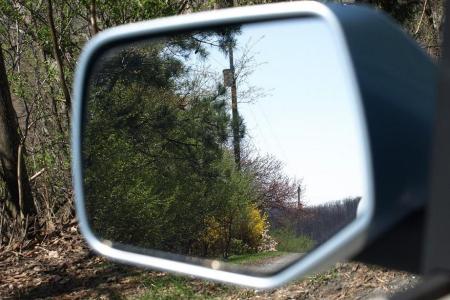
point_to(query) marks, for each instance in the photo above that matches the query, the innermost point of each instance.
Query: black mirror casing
(398, 83)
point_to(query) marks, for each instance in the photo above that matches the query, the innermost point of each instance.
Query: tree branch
(57, 56)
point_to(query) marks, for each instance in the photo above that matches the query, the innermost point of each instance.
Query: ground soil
(60, 266)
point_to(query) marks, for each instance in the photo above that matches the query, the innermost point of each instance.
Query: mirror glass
(239, 147)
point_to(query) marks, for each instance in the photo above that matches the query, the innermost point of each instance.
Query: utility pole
(299, 192)
(230, 81)
(234, 110)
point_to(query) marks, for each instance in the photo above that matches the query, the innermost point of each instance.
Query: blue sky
(308, 119)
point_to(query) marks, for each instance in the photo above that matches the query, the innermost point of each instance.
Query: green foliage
(254, 258)
(288, 241)
(120, 12)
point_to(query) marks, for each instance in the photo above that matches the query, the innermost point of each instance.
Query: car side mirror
(250, 145)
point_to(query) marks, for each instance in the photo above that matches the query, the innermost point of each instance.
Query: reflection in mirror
(240, 144)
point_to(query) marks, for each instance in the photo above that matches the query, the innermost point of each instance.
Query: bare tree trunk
(437, 11)
(437, 20)
(228, 235)
(93, 18)
(57, 54)
(19, 202)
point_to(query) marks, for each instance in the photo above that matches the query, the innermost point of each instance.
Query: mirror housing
(398, 82)
(392, 77)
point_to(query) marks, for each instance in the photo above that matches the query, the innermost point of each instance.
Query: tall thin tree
(58, 57)
(19, 201)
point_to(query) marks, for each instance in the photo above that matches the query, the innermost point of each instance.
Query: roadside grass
(288, 241)
(166, 286)
(254, 258)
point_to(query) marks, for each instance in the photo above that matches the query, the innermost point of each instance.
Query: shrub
(245, 234)
(253, 225)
